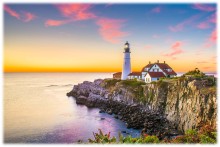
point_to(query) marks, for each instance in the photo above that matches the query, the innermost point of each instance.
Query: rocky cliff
(185, 103)
(163, 106)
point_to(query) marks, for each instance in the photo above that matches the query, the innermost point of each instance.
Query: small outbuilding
(117, 75)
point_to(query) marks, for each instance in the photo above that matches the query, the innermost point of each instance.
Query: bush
(110, 82)
(206, 135)
(151, 139)
(102, 138)
(132, 83)
(195, 73)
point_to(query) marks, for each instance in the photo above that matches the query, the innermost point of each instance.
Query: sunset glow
(91, 37)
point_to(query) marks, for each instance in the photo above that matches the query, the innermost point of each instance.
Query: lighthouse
(127, 62)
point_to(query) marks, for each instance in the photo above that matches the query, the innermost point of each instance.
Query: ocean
(37, 110)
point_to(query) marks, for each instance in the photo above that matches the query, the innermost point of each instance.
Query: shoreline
(134, 115)
(166, 108)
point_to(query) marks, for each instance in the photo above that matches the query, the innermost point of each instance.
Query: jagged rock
(101, 111)
(116, 116)
(179, 105)
(81, 99)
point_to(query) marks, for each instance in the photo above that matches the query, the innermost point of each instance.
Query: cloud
(76, 11)
(24, 16)
(212, 18)
(212, 39)
(156, 10)
(213, 36)
(202, 62)
(207, 67)
(72, 12)
(51, 22)
(147, 47)
(175, 50)
(203, 25)
(180, 26)
(155, 36)
(208, 22)
(110, 29)
(28, 16)
(204, 7)
(11, 12)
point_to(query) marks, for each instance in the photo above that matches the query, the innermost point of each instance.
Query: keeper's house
(150, 72)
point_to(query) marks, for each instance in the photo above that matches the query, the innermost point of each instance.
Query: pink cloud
(76, 11)
(11, 12)
(212, 39)
(110, 29)
(208, 22)
(212, 18)
(213, 36)
(180, 26)
(51, 22)
(204, 7)
(175, 50)
(73, 12)
(156, 10)
(147, 47)
(28, 16)
(202, 62)
(203, 25)
(156, 36)
(207, 67)
(25, 16)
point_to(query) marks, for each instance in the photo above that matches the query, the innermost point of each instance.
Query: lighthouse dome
(127, 48)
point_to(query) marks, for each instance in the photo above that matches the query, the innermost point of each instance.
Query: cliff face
(185, 103)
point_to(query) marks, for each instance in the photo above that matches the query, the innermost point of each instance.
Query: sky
(86, 37)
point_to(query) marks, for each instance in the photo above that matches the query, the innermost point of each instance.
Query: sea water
(37, 110)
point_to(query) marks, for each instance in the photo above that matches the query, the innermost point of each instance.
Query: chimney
(164, 62)
(157, 61)
(149, 62)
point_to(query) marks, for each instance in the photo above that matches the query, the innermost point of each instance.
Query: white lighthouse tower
(127, 62)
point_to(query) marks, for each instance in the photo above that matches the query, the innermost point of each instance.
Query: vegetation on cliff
(205, 135)
(133, 86)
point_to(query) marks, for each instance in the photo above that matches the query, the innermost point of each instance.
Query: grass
(205, 135)
(110, 82)
(132, 83)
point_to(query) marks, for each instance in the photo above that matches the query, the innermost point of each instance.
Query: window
(157, 70)
(157, 78)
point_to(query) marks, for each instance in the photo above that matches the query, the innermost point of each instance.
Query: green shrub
(102, 138)
(196, 73)
(132, 83)
(151, 139)
(205, 135)
(153, 82)
(206, 139)
(110, 82)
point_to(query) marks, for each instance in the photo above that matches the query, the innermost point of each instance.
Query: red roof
(156, 74)
(162, 66)
(165, 66)
(117, 73)
(135, 74)
(147, 66)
